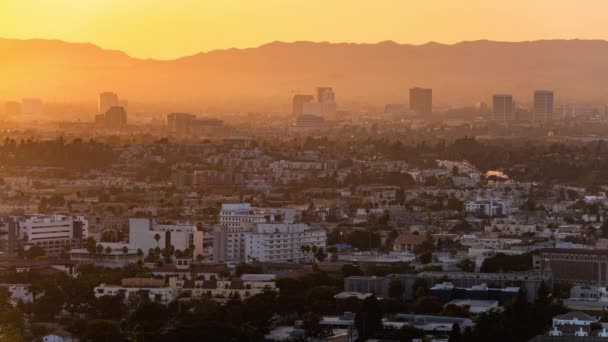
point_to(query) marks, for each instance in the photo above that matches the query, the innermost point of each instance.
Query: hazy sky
(173, 28)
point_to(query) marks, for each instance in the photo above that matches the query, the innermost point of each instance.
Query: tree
(320, 254)
(35, 252)
(507, 263)
(463, 226)
(150, 316)
(420, 287)
(395, 289)
(455, 335)
(109, 307)
(368, 320)
(90, 245)
(349, 270)
(467, 265)
(100, 330)
(427, 305)
(310, 324)
(244, 268)
(49, 305)
(426, 257)
(453, 310)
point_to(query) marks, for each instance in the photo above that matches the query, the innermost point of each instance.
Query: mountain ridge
(265, 77)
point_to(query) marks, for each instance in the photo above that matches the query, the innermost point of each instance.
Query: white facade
(53, 232)
(278, 242)
(142, 233)
(162, 294)
(489, 208)
(238, 219)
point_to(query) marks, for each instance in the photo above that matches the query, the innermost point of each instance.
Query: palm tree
(157, 238)
(125, 250)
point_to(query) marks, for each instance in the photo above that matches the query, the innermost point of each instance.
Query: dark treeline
(525, 160)
(77, 154)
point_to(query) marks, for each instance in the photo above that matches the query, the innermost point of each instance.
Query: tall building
(421, 100)
(325, 95)
(298, 102)
(502, 105)
(32, 106)
(107, 100)
(178, 123)
(543, 105)
(12, 108)
(116, 117)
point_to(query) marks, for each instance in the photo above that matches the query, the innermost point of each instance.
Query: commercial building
(178, 123)
(503, 107)
(529, 282)
(310, 122)
(298, 102)
(576, 266)
(119, 255)
(326, 95)
(421, 100)
(447, 291)
(32, 106)
(53, 232)
(543, 105)
(12, 108)
(114, 117)
(9, 234)
(107, 100)
(185, 124)
(146, 233)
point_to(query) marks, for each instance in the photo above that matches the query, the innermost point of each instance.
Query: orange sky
(169, 29)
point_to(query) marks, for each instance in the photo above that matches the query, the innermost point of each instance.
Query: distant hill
(265, 78)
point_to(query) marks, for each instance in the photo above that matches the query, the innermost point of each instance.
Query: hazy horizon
(151, 29)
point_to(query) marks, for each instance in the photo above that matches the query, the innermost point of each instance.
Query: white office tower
(146, 233)
(53, 232)
(282, 242)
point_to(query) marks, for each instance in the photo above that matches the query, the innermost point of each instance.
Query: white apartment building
(282, 242)
(143, 234)
(53, 232)
(237, 219)
(164, 295)
(488, 207)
